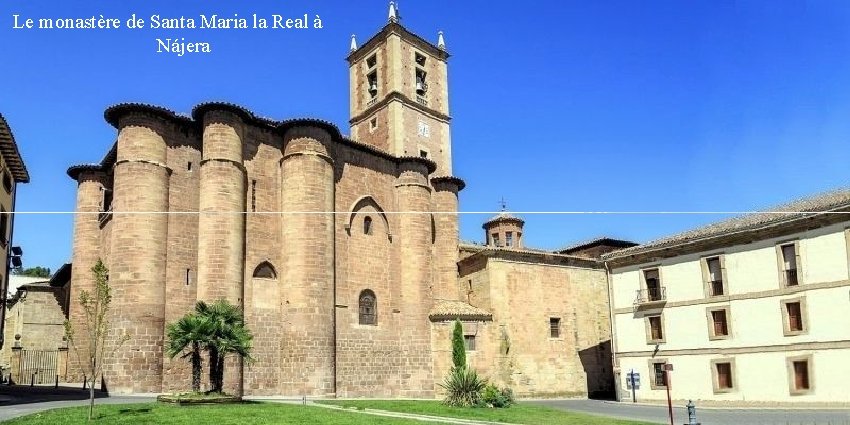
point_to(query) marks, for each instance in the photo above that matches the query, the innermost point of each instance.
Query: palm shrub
(228, 335)
(188, 335)
(463, 387)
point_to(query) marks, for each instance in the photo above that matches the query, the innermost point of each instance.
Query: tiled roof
(11, 154)
(114, 113)
(450, 310)
(503, 216)
(595, 241)
(795, 210)
(479, 246)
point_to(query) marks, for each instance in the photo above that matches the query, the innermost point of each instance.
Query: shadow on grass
(135, 411)
(111, 416)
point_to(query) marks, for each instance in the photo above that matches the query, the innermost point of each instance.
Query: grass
(521, 413)
(246, 413)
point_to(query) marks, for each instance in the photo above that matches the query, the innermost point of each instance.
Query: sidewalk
(733, 404)
(716, 415)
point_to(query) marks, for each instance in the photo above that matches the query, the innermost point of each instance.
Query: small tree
(191, 332)
(458, 346)
(228, 335)
(95, 307)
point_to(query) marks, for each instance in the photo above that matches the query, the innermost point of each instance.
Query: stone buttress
(221, 220)
(413, 194)
(307, 198)
(138, 255)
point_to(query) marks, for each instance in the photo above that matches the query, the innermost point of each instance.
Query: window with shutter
(554, 327)
(721, 327)
(653, 285)
(469, 342)
(656, 333)
(801, 375)
(658, 375)
(789, 265)
(724, 375)
(715, 276)
(795, 319)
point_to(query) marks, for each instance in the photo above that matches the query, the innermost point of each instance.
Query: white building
(751, 309)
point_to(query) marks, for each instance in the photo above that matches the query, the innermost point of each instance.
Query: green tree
(37, 271)
(228, 335)
(458, 346)
(189, 334)
(90, 345)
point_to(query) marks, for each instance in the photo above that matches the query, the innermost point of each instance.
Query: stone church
(343, 251)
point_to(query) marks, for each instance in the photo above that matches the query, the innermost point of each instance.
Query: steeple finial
(441, 43)
(353, 43)
(504, 204)
(393, 12)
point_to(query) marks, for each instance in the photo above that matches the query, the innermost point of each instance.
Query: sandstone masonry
(342, 252)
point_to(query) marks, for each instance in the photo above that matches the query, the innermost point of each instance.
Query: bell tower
(399, 94)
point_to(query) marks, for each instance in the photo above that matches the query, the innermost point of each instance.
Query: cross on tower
(504, 204)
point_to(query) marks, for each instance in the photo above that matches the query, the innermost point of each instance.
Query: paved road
(15, 410)
(658, 414)
(22, 400)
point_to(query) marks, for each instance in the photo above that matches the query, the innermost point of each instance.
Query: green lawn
(248, 413)
(522, 413)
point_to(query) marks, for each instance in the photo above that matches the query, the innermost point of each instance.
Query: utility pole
(667, 369)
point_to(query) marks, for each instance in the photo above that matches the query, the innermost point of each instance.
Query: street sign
(633, 378)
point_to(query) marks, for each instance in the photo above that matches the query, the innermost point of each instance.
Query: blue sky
(557, 105)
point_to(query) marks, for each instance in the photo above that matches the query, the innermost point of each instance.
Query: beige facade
(535, 321)
(12, 172)
(751, 310)
(548, 333)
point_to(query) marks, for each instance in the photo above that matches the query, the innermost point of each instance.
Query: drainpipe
(614, 364)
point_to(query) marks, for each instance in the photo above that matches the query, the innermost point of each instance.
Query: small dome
(503, 216)
(504, 229)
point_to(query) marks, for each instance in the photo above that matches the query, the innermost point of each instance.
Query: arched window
(368, 308)
(367, 225)
(265, 271)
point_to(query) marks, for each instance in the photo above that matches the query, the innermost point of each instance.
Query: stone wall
(517, 349)
(36, 314)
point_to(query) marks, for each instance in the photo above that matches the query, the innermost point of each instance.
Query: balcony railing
(791, 278)
(651, 295)
(421, 100)
(715, 287)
